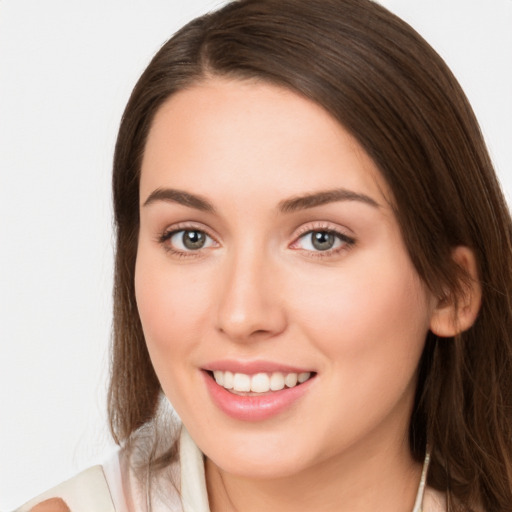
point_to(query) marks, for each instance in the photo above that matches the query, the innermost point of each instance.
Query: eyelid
(341, 232)
(348, 240)
(164, 236)
(186, 226)
(323, 226)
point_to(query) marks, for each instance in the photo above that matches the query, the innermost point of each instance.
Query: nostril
(260, 332)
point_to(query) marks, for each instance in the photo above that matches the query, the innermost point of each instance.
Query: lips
(255, 391)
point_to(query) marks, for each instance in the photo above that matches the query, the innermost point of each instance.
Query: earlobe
(454, 315)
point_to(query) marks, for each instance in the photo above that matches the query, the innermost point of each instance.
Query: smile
(253, 393)
(259, 382)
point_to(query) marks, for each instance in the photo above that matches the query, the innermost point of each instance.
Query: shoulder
(127, 482)
(85, 492)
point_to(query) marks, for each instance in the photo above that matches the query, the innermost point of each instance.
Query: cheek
(368, 315)
(172, 308)
(371, 326)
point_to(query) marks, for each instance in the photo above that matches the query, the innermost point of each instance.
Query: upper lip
(253, 367)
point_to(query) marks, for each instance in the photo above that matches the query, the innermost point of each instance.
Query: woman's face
(269, 255)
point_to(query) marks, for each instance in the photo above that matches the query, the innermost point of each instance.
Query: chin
(259, 460)
(269, 469)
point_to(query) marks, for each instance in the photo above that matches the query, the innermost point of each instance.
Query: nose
(250, 305)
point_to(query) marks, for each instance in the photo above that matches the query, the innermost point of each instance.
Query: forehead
(222, 132)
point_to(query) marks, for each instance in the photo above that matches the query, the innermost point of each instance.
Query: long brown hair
(387, 86)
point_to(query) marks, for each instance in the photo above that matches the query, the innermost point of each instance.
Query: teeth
(276, 381)
(219, 377)
(242, 382)
(303, 377)
(291, 380)
(259, 382)
(228, 380)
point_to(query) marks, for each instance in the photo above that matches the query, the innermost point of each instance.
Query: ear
(453, 315)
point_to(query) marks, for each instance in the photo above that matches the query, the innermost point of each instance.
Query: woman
(314, 267)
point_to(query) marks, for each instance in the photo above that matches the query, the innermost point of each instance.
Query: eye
(323, 241)
(187, 240)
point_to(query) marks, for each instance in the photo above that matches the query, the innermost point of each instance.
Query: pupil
(193, 239)
(323, 240)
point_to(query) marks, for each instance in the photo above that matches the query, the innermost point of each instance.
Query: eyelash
(346, 241)
(166, 236)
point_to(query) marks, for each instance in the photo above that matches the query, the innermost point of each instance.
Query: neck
(383, 478)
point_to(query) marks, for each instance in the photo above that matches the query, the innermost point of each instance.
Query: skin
(259, 290)
(51, 505)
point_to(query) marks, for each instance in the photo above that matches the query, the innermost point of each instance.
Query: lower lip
(254, 408)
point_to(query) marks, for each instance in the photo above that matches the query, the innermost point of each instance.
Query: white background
(66, 70)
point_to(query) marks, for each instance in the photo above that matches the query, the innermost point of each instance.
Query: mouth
(244, 384)
(261, 393)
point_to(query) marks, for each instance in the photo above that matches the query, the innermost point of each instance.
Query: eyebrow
(324, 197)
(287, 206)
(171, 195)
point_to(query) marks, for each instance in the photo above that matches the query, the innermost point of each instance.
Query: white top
(113, 488)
